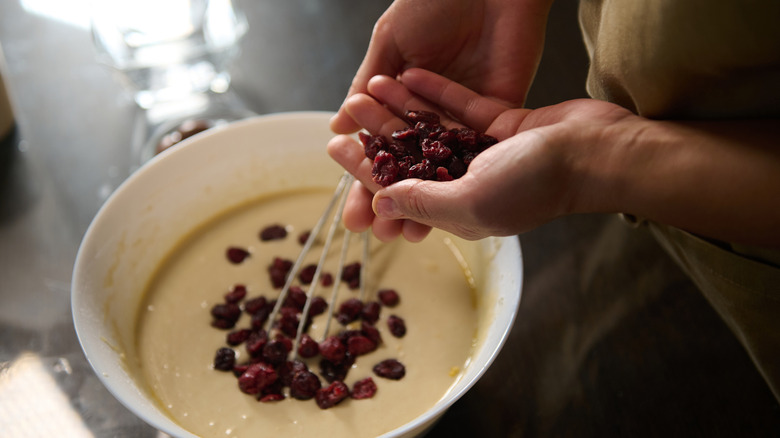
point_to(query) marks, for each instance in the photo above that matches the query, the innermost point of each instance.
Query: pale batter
(176, 343)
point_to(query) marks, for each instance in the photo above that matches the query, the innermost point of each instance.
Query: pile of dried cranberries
(424, 149)
(268, 371)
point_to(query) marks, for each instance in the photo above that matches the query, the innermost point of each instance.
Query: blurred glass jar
(168, 50)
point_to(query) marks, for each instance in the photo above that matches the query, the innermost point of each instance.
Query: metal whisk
(337, 202)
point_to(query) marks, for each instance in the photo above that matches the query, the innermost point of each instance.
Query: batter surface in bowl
(176, 343)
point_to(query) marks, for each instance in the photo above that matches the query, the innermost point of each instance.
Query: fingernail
(387, 208)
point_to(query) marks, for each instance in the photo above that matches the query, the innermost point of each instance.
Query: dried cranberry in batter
(273, 232)
(365, 388)
(236, 255)
(332, 395)
(390, 369)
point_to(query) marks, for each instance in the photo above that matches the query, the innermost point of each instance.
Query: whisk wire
(337, 201)
(345, 180)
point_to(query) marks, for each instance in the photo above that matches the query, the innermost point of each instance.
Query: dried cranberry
(448, 138)
(388, 297)
(225, 359)
(236, 294)
(304, 385)
(400, 149)
(390, 369)
(468, 157)
(288, 369)
(273, 232)
(468, 139)
(307, 274)
(304, 237)
(278, 271)
(260, 317)
(360, 345)
(442, 174)
(296, 298)
(331, 395)
(236, 255)
(253, 305)
(256, 377)
(275, 351)
(351, 274)
(397, 326)
(422, 170)
(225, 316)
(317, 306)
(288, 342)
(239, 369)
(362, 389)
(336, 371)
(238, 336)
(255, 342)
(272, 392)
(372, 144)
(333, 349)
(404, 164)
(288, 321)
(407, 134)
(414, 116)
(226, 311)
(456, 168)
(308, 347)
(435, 151)
(349, 311)
(223, 324)
(485, 141)
(370, 312)
(326, 279)
(344, 335)
(371, 332)
(385, 169)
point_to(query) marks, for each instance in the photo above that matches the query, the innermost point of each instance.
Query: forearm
(716, 179)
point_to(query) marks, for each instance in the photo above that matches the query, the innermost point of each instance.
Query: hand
(521, 182)
(490, 46)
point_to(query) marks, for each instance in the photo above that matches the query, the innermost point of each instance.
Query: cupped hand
(490, 46)
(530, 177)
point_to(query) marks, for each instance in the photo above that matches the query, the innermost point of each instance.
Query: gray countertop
(611, 339)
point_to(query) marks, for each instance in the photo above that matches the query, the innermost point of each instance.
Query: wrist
(603, 161)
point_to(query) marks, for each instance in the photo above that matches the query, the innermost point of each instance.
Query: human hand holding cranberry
(473, 42)
(528, 178)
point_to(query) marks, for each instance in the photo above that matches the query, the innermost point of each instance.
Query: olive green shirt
(705, 60)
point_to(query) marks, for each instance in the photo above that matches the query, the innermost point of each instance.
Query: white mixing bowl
(186, 186)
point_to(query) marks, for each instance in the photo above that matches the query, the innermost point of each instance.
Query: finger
(441, 205)
(372, 115)
(387, 230)
(349, 153)
(358, 214)
(466, 105)
(415, 231)
(398, 99)
(342, 123)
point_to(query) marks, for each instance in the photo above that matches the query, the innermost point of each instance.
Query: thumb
(438, 204)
